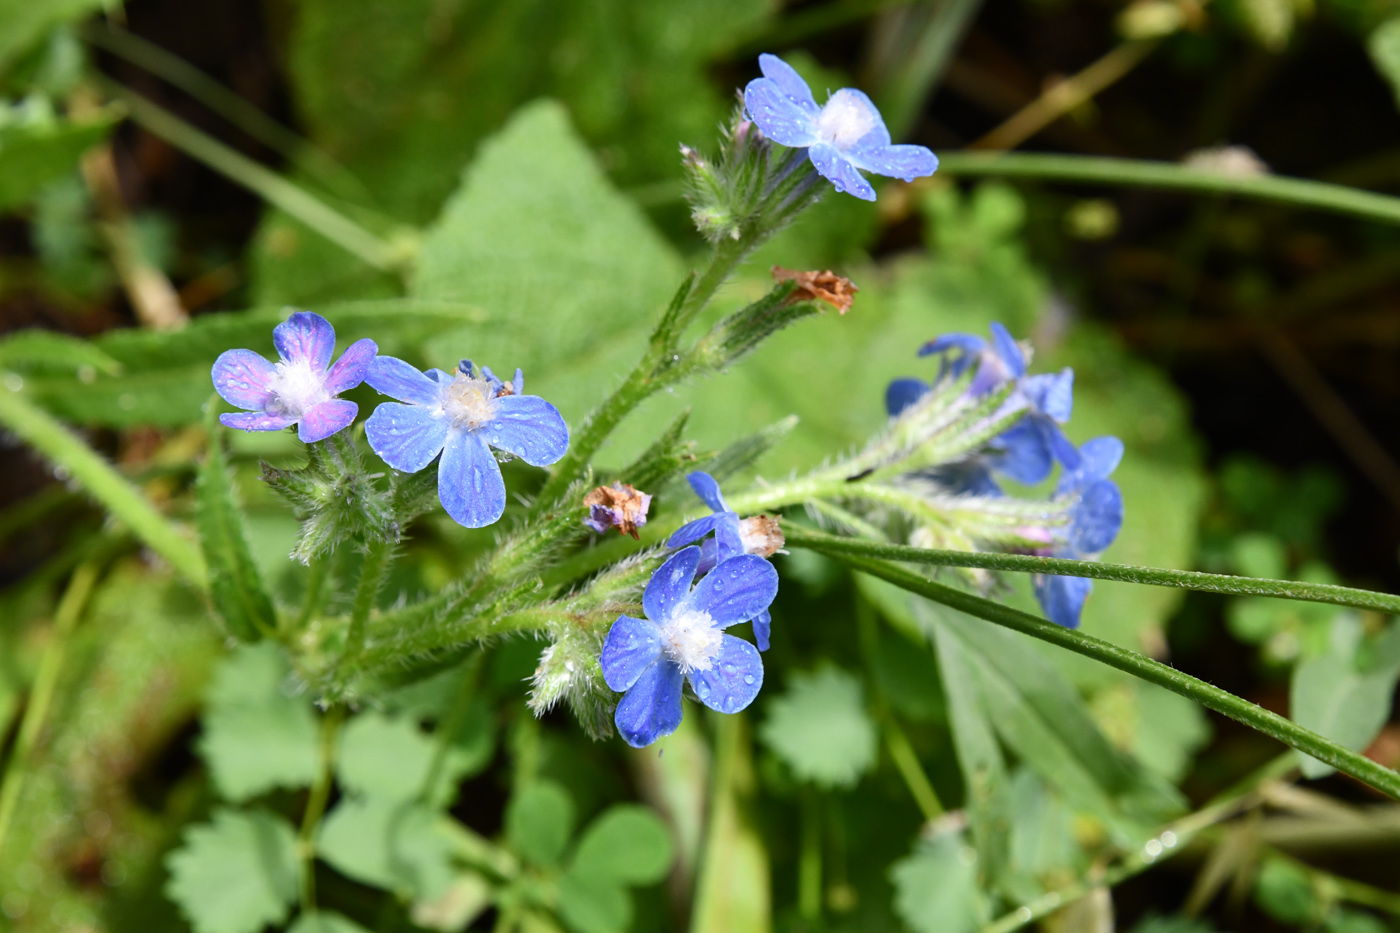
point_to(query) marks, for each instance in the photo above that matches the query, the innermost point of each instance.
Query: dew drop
(748, 679)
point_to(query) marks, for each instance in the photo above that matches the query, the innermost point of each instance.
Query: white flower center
(845, 119)
(469, 402)
(691, 640)
(297, 388)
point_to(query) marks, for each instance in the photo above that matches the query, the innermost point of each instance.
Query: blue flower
(462, 416)
(733, 536)
(1095, 519)
(299, 389)
(682, 639)
(844, 135)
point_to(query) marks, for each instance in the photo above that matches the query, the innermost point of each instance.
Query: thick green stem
(372, 573)
(1128, 573)
(316, 806)
(70, 608)
(1222, 701)
(100, 479)
(1103, 171)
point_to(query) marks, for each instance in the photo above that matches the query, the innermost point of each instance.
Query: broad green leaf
(1343, 695)
(257, 737)
(570, 274)
(400, 846)
(1162, 730)
(1179, 924)
(908, 677)
(588, 904)
(323, 921)
(628, 844)
(235, 874)
(1042, 829)
(935, 887)
(1354, 921)
(237, 589)
(539, 819)
(1384, 46)
(1285, 891)
(45, 351)
(35, 152)
(389, 758)
(819, 726)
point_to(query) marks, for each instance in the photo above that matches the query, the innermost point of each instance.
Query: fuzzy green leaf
(234, 582)
(235, 874)
(821, 729)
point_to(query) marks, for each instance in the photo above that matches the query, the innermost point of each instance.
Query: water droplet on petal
(748, 679)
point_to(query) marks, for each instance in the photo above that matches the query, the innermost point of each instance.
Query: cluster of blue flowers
(459, 415)
(1027, 452)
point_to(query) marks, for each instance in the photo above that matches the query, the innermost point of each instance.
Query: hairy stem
(316, 806)
(372, 573)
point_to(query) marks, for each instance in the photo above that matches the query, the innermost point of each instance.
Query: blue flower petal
(1009, 350)
(407, 437)
(969, 344)
(832, 165)
(529, 427)
(1099, 457)
(970, 477)
(631, 647)
(904, 162)
(652, 708)
(397, 379)
(305, 336)
(788, 81)
(903, 393)
(1062, 598)
(781, 119)
(350, 370)
(762, 629)
(736, 590)
(1051, 393)
(692, 531)
(257, 421)
(707, 489)
(470, 486)
(709, 551)
(734, 677)
(670, 584)
(1026, 454)
(242, 378)
(326, 419)
(728, 542)
(1096, 518)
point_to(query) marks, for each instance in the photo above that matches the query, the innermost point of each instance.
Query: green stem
(1222, 701)
(266, 184)
(70, 608)
(1299, 192)
(372, 572)
(448, 726)
(1128, 573)
(907, 761)
(809, 869)
(315, 586)
(100, 479)
(316, 806)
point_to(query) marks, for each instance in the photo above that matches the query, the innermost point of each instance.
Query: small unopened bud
(836, 290)
(693, 158)
(761, 535)
(619, 506)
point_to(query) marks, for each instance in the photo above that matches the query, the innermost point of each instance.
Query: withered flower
(836, 290)
(619, 506)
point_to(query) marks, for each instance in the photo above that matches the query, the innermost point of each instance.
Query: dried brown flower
(619, 506)
(836, 290)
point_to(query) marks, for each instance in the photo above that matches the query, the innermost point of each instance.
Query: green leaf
(464, 900)
(1354, 921)
(388, 758)
(935, 888)
(256, 737)
(34, 153)
(569, 272)
(323, 921)
(628, 844)
(821, 729)
(1153, 924)
(234, 582)
(539, 820)
(1285, 891)
(45, 351)
(401, 846)
(235, 874)
(1384, 46)
(588, 904)
(1342, 695)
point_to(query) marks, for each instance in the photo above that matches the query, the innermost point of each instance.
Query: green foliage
(388, 758)
(236, 874)
(42, 351)
(1285, 891)
(257, 736)
(1346, 694)
(936, 887)
(234, 582)
(539, 821)
(1384, 46)
(336, 500)
(1179, 924)
(821, 729)
(37, 147)
(325, 922)
(399, 845)
(628, 844)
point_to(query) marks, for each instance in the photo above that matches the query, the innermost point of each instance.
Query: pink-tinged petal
(407, 437)
(734, 678)
(326, 419)
(906, 162)
(782, 119)
(631, 647)
(470, 486)
(305, 336)
(529, 427)
(395, 378)
(242, 378)
(257, 421)
(832, 165)
(787, 79)
(670, 585)
(350, 370)
(652, 708)
(736, 590)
